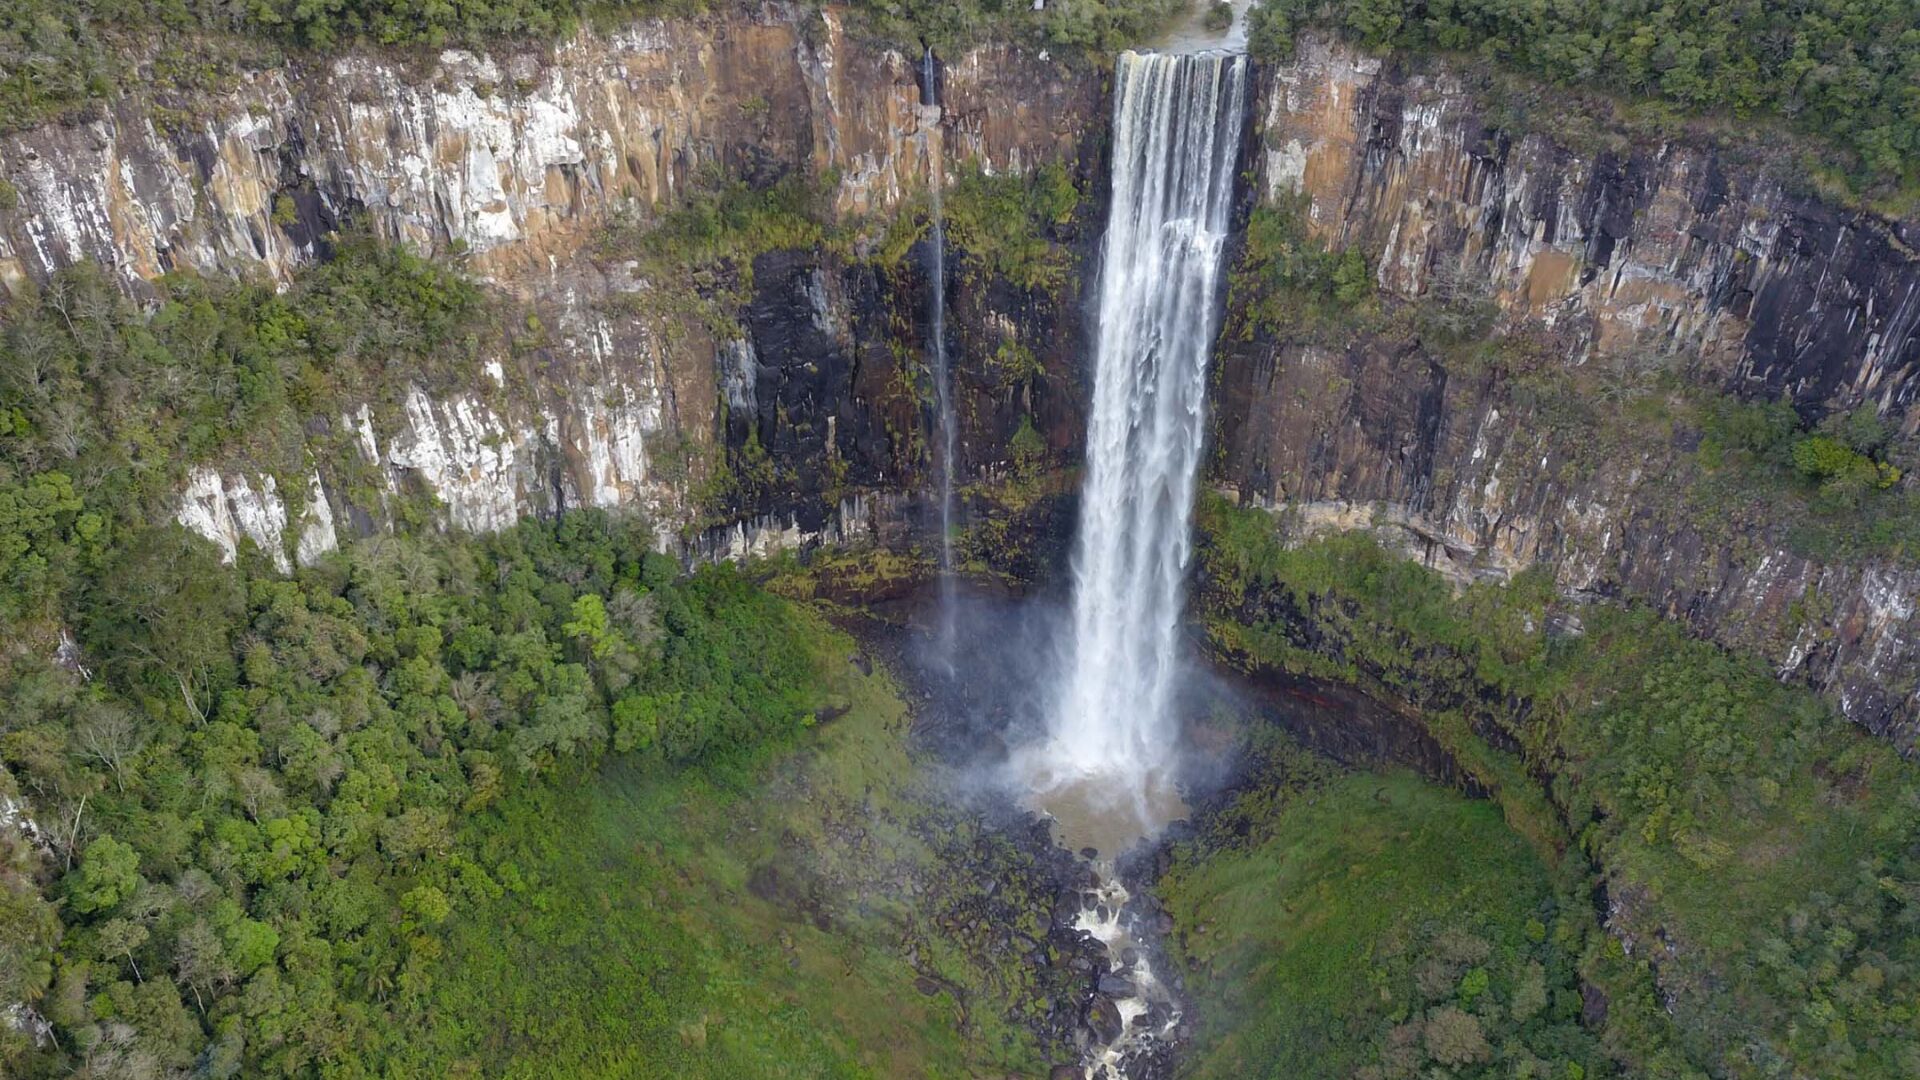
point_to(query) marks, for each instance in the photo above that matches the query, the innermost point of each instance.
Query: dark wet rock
(1118, 986)
(1067, 1072)
(1103, 1018)
(927, 986)
(1593, 1006)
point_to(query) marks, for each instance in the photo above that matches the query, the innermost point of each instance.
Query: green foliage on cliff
(1758, 852)
(103, 404)
(698, 253)
(1094, 25)
(264, 783)
(58, 56)
(731, 221)
(1374, 927)
(1287, 281)
(1007, 223)
(1848, 70)
(55, 56)
(1830, 489)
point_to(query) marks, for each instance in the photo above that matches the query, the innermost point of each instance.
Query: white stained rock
(228, 509)
(467, 455)
(317, 536)
(613, 431)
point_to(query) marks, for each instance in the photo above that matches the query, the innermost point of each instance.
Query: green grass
(635, 946)
(1372, 926)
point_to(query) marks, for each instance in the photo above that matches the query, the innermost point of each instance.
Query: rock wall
(515, 158)
(1664, 246)
(1664, 250)
(515, 163)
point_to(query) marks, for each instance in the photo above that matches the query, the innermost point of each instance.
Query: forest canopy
(55, 56)
(1848, 70)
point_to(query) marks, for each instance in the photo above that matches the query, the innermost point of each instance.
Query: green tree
(108, 872)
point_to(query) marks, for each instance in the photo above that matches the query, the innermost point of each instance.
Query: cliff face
(516, 163)
(1663, 254)
(515, 158)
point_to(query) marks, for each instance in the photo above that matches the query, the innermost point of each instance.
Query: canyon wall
(1650, 256)
(516, 164)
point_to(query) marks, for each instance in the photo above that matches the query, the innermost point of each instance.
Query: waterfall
(1176, 127)
(1105, 770)
(937, 342)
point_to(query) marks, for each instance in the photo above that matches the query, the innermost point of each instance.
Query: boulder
(1103, 1017)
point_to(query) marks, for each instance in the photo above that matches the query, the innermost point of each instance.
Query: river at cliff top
(1191, 34)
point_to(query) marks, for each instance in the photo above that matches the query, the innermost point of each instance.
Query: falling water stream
(1105, 767)
(937, 341)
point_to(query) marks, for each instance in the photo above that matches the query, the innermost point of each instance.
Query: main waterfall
(1176, 127)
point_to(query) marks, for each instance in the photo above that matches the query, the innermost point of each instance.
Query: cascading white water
(1104, 771)
(1176, 126)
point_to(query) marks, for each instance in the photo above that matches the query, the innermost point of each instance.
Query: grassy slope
(637, 949)
(1354, 913)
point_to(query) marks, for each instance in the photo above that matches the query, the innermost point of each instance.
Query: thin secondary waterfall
(1176, 126)
(937, 340)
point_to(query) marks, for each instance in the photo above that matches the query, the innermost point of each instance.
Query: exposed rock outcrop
(1657, 247)
(515, 163)
(515, 158)
(1661, 251)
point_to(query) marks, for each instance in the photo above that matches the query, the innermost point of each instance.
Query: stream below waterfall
(1117, 1009)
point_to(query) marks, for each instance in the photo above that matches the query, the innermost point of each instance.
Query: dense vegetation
(259, 791)
(56, 56)
(1844, 69)
(259, 782)
(104, 406)
(1758, 853)
(794, 910)
(1374, 927)
(1097, 25)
